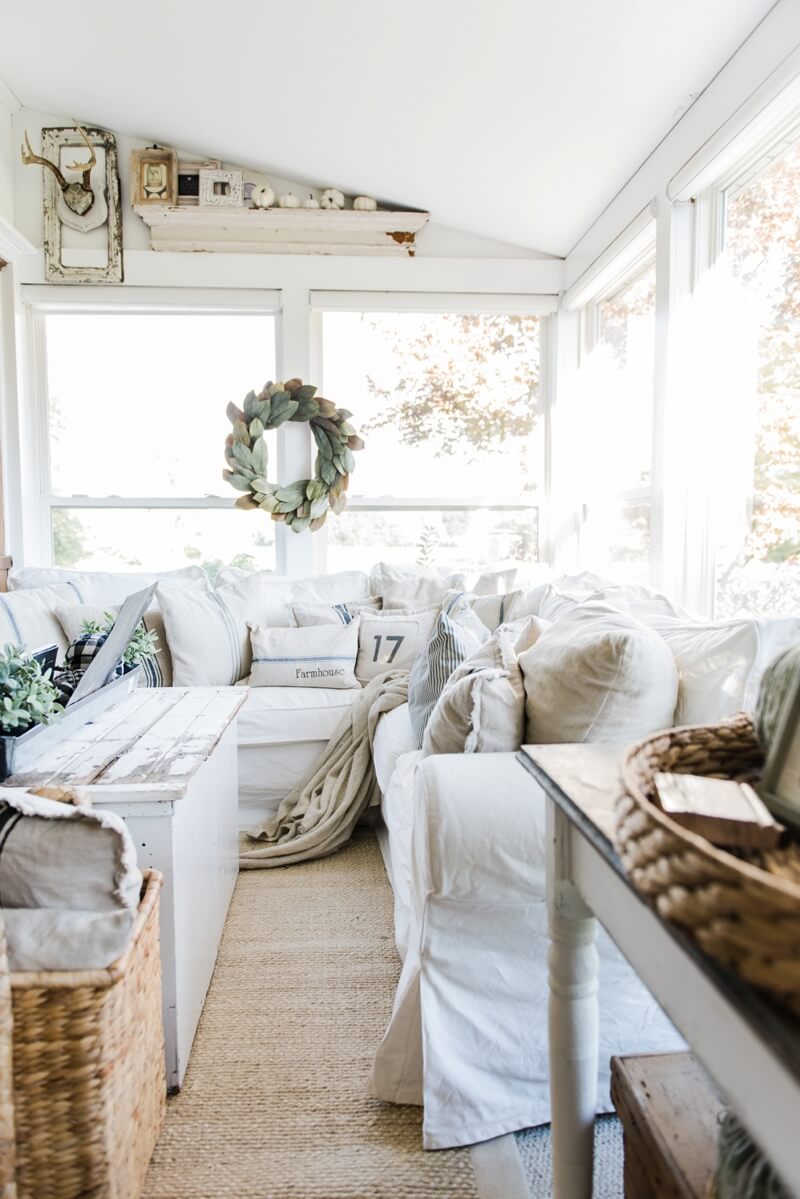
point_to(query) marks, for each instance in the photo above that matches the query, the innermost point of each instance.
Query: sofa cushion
(482, 708)
(393, 738)
(721, 663)
(103, 586)
(282, 732)
(315, 589)
(413, 587)
(392, 638)
(28, 618)
(317, 656)
(598, 675)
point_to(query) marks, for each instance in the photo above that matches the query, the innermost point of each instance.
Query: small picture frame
(189, 180)
(221, 188)
(780, 785)
(154, 176)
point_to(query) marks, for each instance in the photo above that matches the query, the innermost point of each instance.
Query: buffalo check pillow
(392, 640)
(317, 656)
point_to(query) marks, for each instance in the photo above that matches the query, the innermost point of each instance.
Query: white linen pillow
(598, 675)
(491, 610)
(103, 586)
(315, 589)
(342, 613)
(207, 634)
(73, 617)
(318, 656)
(496, 582)
(721, 663)
(413, 587)
(392, 639)
(28, 618)
(482, 708)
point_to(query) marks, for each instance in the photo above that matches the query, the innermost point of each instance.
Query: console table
(165, 760)
(747, 1044)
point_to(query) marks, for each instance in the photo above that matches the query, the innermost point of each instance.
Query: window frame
(40, 302)
(541, 306)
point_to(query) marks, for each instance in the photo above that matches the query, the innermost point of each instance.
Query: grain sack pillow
(207, 634)
(69, 883)
(392, 640)
(413, 587)
(318, 656)
(491, 610)
(482, 708)
(456, 634)
(598, 675)
(156, 668)
(311, 614)
(28, 618)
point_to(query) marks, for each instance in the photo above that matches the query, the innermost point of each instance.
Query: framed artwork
(61, 146)
(780, 786)
(154, 177)
(189, 180)
(221, 188)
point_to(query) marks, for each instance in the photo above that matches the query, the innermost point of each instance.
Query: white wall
(7, 105)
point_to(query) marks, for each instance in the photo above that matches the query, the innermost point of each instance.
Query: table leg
(573, 1019)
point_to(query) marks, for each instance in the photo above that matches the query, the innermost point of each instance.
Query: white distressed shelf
(281, 230)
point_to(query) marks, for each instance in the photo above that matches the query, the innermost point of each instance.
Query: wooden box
(669, 1111)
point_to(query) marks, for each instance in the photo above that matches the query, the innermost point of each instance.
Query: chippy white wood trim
(433, 302)
(13, 244)
(281, 231)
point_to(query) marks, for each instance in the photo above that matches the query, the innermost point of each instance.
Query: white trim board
(14, 247)
(515, 276)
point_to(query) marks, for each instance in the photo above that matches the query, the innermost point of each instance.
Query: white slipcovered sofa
(463, 840)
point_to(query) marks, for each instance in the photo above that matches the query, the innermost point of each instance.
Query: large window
(757, 527)
(133, 409)
(613, 435)
(449, 405)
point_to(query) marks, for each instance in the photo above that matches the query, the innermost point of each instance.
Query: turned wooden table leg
(573, 1020)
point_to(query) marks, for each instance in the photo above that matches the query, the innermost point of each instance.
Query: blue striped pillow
(449, 644)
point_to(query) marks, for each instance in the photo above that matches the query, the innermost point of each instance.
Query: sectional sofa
(462, 834)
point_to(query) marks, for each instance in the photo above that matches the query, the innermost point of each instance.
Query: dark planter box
(21, 753)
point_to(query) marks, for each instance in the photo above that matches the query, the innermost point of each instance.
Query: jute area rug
(275, 1100)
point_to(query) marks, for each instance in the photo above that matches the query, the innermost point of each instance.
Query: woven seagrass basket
(88, 1068)
(743, 912)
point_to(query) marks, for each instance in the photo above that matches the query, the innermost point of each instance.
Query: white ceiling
(514, 119)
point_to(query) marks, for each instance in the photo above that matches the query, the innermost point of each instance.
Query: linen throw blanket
(318, 816)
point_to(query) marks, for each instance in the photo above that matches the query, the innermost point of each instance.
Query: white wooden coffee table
(165, 761)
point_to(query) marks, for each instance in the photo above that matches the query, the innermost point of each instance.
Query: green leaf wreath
(306, 503)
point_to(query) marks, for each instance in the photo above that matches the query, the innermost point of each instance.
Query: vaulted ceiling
(513, 119)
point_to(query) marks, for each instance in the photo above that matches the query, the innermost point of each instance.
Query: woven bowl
(743, 912)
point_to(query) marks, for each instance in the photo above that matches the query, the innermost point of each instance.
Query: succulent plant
(27, 697)
(143, 643)
(304, 504)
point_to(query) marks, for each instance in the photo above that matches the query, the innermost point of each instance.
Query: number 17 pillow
(392, 640)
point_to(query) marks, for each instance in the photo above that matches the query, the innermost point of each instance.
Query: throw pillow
(598, 675)
(412, 587)
(482, 708)
(156, 669)
(496, 582)
(721, 663)
(207, 634)
(449, 644)
(311, 614)
(392, 639)
(320, 656)
(491, 610)
(28, 618)
(103, 586)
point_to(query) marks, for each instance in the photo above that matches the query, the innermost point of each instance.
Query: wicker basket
(8, 1186)
(743, 913)
(88, 1062)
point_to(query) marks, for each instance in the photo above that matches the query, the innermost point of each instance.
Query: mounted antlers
(78, 196)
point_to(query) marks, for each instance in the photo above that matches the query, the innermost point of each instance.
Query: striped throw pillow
(450, 643)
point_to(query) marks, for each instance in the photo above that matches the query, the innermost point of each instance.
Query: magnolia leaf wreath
(306, 503)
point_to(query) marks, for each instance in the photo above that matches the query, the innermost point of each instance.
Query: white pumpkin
(331, 198)
(262, 197)
(310, 202)
(288, 200)
(365, 204)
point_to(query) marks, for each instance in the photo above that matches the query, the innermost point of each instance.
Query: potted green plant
(28, 700)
